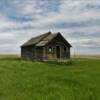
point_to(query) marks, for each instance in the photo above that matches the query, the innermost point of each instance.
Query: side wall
(28, 52)
(32, 53)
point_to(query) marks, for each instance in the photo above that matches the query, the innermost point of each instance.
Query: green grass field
(78, 79)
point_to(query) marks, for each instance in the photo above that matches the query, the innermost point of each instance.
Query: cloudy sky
(77, 20)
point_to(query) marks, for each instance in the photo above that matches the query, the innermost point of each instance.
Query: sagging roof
(43, 39)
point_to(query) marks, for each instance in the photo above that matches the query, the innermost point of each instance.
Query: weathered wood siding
(28, 52)
(52, 55)
(39, 53)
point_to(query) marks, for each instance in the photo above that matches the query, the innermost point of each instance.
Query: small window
(50, 49)
(65, 49)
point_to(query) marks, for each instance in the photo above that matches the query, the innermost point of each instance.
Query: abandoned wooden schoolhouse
(46, 47)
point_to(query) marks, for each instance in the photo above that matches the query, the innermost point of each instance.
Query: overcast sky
(77, 20)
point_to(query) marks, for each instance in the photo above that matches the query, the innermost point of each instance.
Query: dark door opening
(58, 51)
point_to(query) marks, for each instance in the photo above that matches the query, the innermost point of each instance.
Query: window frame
(50, 49)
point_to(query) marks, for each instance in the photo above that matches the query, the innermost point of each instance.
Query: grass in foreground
(25, 80)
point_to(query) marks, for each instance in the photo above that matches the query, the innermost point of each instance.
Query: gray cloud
(77, 20)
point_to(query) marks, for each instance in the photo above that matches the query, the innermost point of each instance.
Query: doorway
(58, 51)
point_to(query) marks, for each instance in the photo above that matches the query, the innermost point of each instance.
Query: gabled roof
(43, 39)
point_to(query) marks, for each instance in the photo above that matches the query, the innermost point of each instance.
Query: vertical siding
(39, 53)
(27, 52)
(63, 54)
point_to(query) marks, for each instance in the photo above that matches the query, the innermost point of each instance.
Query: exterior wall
(28, 52)
(52, 55)
(39, 53)
(47, 55)
(32, 53)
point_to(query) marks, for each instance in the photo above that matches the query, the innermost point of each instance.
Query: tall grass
(78, 79)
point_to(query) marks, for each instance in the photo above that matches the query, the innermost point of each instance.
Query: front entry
(58, 51)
